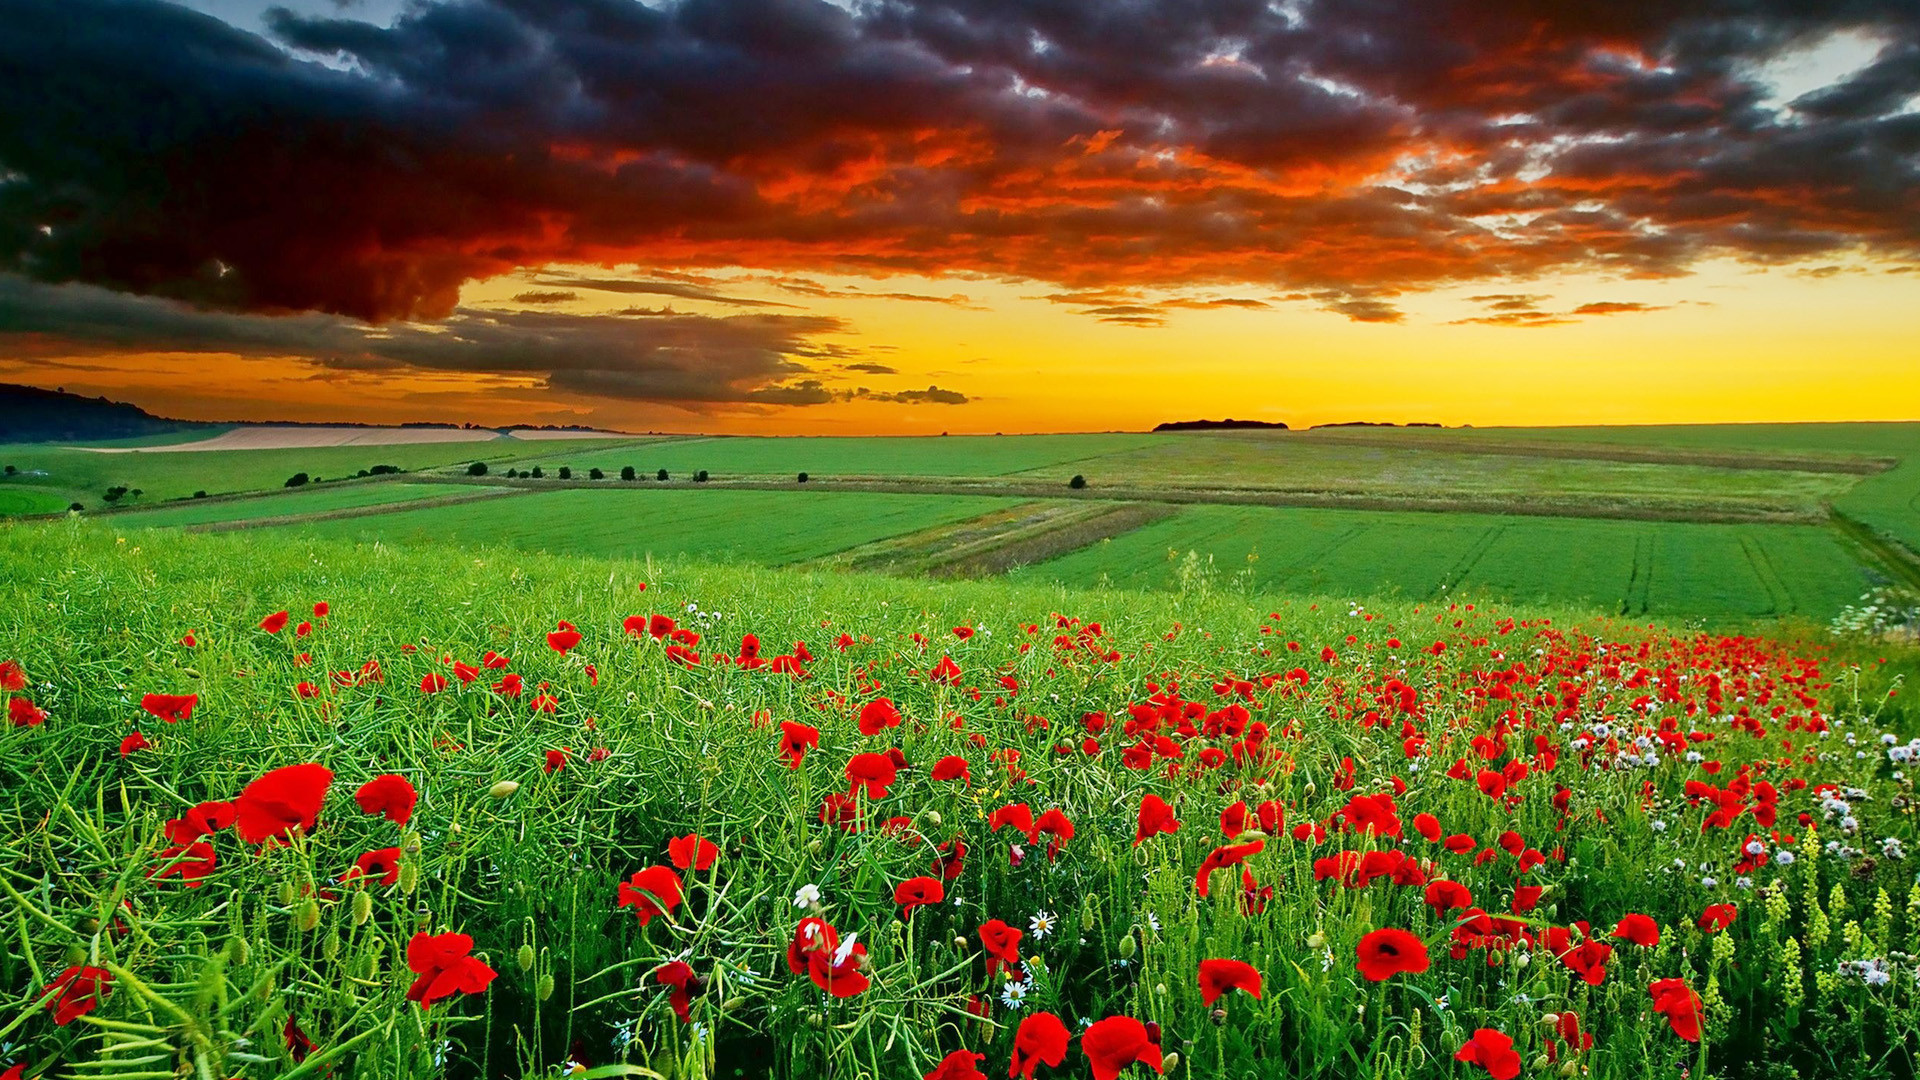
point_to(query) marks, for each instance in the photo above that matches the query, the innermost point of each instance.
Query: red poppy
(1155, 817)
(811, 936)
(172, 708)
(878, 715)
(1492, 1051)
(796, 740)
(1041, 1038)
(493, 661)
(81, 989)
(432, 683)
(634, 625)
(1219, 976)
(1385, 953)
(1674, 999)
(1002, 944)
(281, 801)
(952, 858)
(1053, 823)
(390, 795)
(446, 966)
(653, 891)
(1717, 917)
(1221, 857)
(1587, 959)
(274, 623)
(135, 741)
(187, 861)
(952, 767)
(1638, 929)
(13, 677)
(679, 975)
(298, 1044)
(563, 640)
(382, 863)
(959, 1065)
(1525, 898)
(466, 673)
(946, 672)
(1444, 896)
(23, 713)
(204, 819)
(875, 772)
(659, 626)
(1117, 1042)
(557, 759)
(692, 852)
(1427, 826)
(1018, 815)
(510, 685)
(914, 892)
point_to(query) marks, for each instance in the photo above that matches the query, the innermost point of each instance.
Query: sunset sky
(794, 216)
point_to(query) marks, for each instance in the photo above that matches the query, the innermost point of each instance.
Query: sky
(899, 216)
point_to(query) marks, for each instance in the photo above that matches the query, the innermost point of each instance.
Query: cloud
(537, 297)
(932, 395)
(1523, 309)
(681, 289)
(656, 355)
(1616, 307)
(1358, 151)
(870, 368)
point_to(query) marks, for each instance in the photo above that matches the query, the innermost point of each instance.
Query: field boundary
(1858, 464)
(1887, 554)
(428, 503)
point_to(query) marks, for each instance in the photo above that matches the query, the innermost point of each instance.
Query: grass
(764, 527)
(1676, 570)
(827, 458)
(213, 979)
(298, 501)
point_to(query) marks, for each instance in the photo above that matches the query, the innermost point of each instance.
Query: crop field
(953, 455)
(1629, 568)
(301, 501)
(769, 528)
(358, 812)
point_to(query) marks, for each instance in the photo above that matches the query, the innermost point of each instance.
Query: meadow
(373, 811)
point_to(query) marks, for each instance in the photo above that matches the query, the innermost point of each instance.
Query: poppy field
(359, 811)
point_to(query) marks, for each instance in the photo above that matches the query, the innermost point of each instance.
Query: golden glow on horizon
(1728, 343)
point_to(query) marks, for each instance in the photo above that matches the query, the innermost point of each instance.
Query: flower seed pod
(932, 819)
(409, 877)
(331, 948)
(543, 987)
(286, 892)
(1128, 947)
(1219, 1017)
(525, 958)
(1541, 1062)
(503, 789)
(1160, 989)
(362, 907)
(307, 916)
(238, 951)
(1170, 1061)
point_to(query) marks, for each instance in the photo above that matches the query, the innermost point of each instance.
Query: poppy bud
(89, 925)
(1548, 1019)
(1170, 1061)
(238, 951)
(1250, 834)
(1219, 1017)
(814, 1019)
(501, 790)
(76, 956)
(813, 845)
(409, 877)
(1316, 940)
(1568, 1068)
(362, 907)
(960, 943)
(525, 957)
(734, 1005)
(331, 950)
(544, 987)
(286, 892)
(1127, 947)
(1541, 1062)
(1160, 989)
(1153, 1029)
(931, 818)
(1521, 960)
(308, 915)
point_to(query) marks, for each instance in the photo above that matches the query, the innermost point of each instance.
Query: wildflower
(878, 715)
(274, 623)
(678, 975)
(796, 740)
(1677, 1001)
(1040, 1039)
(23, 713)
(1493, 1051)
(1219, 976)
(1002, 944)
(1117, 1042)
(445, 966)
(171, 708)
(132, 742)
(806, 896)
(917, 891)
(390, 795)
(280, 801)
(875, 772)
(1638, 929)
(653, 891)
(959, 1065)
(383, 863)
(692, 852)
(80, 991)
(1042, 923)
(1388, 952)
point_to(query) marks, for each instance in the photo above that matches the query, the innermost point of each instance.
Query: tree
(1078, 482)
(74, 508)
(595, 474)
(512, 474)
(11, 469)
(478, 468)
(802, 478)
(537, 474)
(627, 473)
(113, 494)
(661, 475)
(201, 494)
(566, 473)
(700, 477)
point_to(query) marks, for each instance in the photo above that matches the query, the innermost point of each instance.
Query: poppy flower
(299, 1045)
(653, 891)
(13, 677)
(1675, 1000)
(1587, 959)
(1638, 929)
(1717, 917)
(692, 852)
(1493, 1051)
(135, 741)
(914, 892)
(466, 673)
(274, 623)
(1053, 823)
(23, 713)
(796, 740)
(1156, 817)
(80, 991)
(811, 936)
(1002, 944)
(382, 863)
(1221, 857)
(679, 975)
(1387, 952)
(1427, 826)
(878, 715)
(634, 625)
(946, 672)
(189, 862)
(951, 767)
(557, 759)
(510, 685)
(1444, 896)
(1117, 1042)
(1219, 976)
(1040, 1039)
(875, 772)
(1018, 815)
(1525, 898)
(282, 800)
(659, 626)
(172, 708)
(959, 1065)
(432, 683)
(390, 795)
(952, 858)
(493, 661)
(446, 966)
(563, 640)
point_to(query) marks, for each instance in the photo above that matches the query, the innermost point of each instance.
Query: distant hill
(1228, 424)
(31, 414)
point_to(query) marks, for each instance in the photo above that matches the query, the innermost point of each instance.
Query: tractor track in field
(1530, 506)
(1889, 555)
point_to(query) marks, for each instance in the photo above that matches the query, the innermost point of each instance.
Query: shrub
(802, 478)
(566, 473)
(75, 508)
(478, 468)
(700, 477)
(512, 474)
(383, 470)
(1078, 482)
(627, 473)
(661, 475)
(201, 494)
(537, 474)
(296, 480)
(11, 469)
(596, 474)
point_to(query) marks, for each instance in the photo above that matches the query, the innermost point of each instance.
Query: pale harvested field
(272, 437)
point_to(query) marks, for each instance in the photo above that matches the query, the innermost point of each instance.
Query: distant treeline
(1218, 425)
(32, 414)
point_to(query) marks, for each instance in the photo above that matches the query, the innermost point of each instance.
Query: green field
(829, 458)
(763, 527)
(1669, 569)
(306, 500)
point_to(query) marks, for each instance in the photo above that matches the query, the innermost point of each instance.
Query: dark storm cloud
(662, 356)
(1346, 150)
